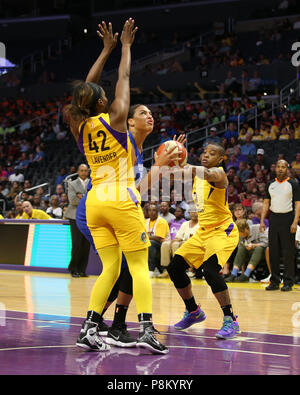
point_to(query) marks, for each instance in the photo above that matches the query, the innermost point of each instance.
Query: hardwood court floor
(54, 305)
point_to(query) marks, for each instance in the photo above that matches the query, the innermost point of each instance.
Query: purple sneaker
(229, 329)
(190, 319)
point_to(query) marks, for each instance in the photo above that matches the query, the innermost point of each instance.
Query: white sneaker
(190, 274)
(164, 274)
(151, 274)
(266, 280)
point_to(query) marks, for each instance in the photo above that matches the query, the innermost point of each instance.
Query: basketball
(168, 145)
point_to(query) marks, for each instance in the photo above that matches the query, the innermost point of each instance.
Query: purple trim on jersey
(133, 197)
(210, 192)
(229, 229)
(80, 139)
(119, 136)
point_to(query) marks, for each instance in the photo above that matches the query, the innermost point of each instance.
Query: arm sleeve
(296, 191)
(267, 194)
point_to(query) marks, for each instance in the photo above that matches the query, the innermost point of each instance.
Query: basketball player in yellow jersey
(113, 211)
(212, 244)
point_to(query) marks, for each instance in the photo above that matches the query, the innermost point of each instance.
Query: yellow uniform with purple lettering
(113, 205)
(217, 233)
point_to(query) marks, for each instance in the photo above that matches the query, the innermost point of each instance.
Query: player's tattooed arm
(214, 174)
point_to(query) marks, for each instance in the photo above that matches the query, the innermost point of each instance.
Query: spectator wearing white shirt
(169, 247)
(16, 176)
(54, 210)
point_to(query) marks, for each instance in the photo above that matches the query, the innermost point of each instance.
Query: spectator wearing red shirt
(233, 197)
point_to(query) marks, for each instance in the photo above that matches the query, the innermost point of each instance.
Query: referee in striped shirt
(282, 197)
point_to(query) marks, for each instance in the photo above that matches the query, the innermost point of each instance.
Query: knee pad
(126, 281)
(177, 272)
(211, 270)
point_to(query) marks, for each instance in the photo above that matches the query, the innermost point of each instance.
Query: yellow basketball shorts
(206, 242)
(116, 222)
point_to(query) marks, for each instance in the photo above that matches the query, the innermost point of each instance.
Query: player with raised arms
(113, 212)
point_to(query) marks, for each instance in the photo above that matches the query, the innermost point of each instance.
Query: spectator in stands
(23, 162)
(238, 153)
(18, 211)
(233, 162)
(192, 156)
(284, 134)
(243, 172)
(164, 136)
(242, 134)
(254, 84)
(62, 176)
(40, 191)
(212, 138)
(54, 210)
(257, 135)
(16, 176)
(27, 184)
(176, 222)
(262, 160)
(4, 190)
(59, 190)
(251, 250)
(80, 245)
(239, 212)
(169, 247)
(64, 201)
(3, 174)
(158, 230)
(30, 213)
(39, 154)
(256, 214)
(248, 148)
(296, 164)
(233, 196)
(267, 133)
(230, 83)
(231, 173)
(14, 191)
(231, 131)
(165, 212)
(36, 202)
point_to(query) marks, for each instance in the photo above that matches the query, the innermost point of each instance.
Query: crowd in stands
(23, 146)
(248, 168)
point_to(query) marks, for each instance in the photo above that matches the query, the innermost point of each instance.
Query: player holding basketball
(113, 211)
(212, 244)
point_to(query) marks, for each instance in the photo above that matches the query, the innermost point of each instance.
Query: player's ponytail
(83, 105)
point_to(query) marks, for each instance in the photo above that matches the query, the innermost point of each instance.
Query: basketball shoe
(120, 337)
(229, 329)
(190, 319)
(147, 339)
(89, 337)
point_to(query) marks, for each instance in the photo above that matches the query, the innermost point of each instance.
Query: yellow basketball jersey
(211, 203)
(107, 151)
